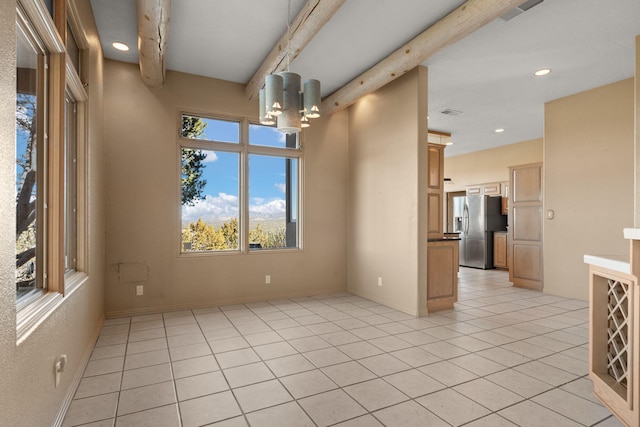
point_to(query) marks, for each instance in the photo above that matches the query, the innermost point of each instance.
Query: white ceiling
(488, 76)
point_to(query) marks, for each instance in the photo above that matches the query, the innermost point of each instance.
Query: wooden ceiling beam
(153, 24)
(458, 24)
(313, 16)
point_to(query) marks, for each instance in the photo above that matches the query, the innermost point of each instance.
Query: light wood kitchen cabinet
(442, 274)
(435, 191)
(487, 189)
(525, 226)
(505, 197)
(500, 249)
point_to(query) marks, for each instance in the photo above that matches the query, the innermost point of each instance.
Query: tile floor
(503, 357)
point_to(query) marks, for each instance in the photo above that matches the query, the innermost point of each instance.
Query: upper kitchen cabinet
(435, 191)
(487, 189)
(525, 226)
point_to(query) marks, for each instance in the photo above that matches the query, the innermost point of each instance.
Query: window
(70, 184)
(31, 119)
(50, 165)
(239, 186)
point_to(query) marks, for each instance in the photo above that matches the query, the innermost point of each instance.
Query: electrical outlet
(379, 281)
(267, 279)
(139, 290)
(59, 366)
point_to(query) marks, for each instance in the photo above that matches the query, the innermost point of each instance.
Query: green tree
(26, 190)
(230, 232)
(192, 162)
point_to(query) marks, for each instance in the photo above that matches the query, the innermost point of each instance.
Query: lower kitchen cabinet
(442, 274)
(500, 249)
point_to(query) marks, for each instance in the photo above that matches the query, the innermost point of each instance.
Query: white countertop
(611, 262)
(632, 233)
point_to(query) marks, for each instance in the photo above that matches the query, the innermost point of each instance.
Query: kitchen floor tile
(375, 394)
(326, 357)
(408, 414)
(146, 376)
(331, 407)
(83, 411)
(261, 395)
(307, 383)
(289, 365)
(140, 360)
(572, 406)
(209, 409)
(415, 357)
(99, 384)
(274, 350)
(519, 383)
(447, 373)
(546, 373)
(488, 394)
(453, 407)
(286, 415)
(195, 366)
(234, 358)
(147, 397)
(200, 385)
(384, 364)
(164, 416)
(414, 383)
(348, 373)
(359, 350)
(530, 414)
(248, 374)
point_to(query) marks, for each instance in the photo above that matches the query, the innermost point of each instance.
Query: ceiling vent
(522, 8)
(451, 112)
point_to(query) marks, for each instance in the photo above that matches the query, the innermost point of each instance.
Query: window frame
(63, 78)
(244, 149)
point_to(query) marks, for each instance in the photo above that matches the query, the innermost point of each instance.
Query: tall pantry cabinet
(525, 226)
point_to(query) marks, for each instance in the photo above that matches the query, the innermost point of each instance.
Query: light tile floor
(503, 357)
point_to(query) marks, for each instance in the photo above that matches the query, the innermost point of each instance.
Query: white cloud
(213, 208)
(281, 187)
(211, 156)
(273, 209)
(224, 207)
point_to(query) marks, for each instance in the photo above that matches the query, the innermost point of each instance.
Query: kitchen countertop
(444, 239)
(610, 262)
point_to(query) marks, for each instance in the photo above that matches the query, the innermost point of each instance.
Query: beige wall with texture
(143, 195)
(27, 392)
(387, 170)
(489, 165)
(588, 178)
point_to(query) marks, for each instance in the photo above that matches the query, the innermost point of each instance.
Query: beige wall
(27, 392)
(387, 150)
(636, 217)
(143, 202)
(489, 165)
(589, 177)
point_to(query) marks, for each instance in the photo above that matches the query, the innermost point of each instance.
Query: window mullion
(244, 186)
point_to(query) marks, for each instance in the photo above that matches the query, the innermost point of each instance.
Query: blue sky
(266, 177)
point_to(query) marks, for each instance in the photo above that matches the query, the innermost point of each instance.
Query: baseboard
(71, 391)
(190, 306)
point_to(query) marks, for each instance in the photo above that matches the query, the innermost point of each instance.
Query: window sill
(33, 315)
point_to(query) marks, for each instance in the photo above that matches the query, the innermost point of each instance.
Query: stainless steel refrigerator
(482, 215)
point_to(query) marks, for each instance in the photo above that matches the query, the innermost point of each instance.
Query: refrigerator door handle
(465, 219)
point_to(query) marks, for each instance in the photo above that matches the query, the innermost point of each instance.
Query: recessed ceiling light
(499, 130)
(120, 46)
(542, 72)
